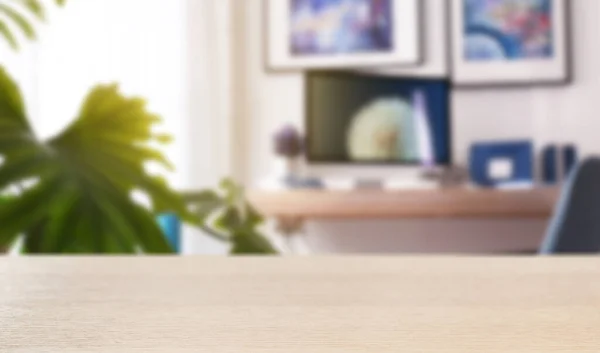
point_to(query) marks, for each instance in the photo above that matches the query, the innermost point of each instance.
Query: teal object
(171, 227)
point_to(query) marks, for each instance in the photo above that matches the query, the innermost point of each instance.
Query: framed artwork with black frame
(510, 42)
(329, 34)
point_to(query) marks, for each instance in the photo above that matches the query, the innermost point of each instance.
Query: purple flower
(288, 142)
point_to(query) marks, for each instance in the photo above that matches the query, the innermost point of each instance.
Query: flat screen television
(370, 119)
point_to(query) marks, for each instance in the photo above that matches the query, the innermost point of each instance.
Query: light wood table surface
(300, 305)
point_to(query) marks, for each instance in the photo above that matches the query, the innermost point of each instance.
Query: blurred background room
(339, 126)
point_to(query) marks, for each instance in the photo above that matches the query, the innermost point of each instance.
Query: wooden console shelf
(450, 203)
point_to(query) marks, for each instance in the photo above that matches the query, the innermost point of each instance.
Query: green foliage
(76, 188)
(227, 215)
(18, 15)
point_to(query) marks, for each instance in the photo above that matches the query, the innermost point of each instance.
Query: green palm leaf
(34, 6)
(13, 16)
(81, 201)
(18, 19)
(8, 35)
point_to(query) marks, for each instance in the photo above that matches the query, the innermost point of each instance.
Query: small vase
(292, 169)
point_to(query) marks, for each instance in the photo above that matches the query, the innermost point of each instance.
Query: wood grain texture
(300, 305)
(451, 203)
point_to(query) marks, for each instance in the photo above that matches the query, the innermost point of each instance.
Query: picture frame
(435, 45)
(510, 43)
(341, 34)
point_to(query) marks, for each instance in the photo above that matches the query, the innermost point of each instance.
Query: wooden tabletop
(300, 305)
(448, 203)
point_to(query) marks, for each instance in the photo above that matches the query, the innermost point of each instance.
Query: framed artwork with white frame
(510, 42)
(330, 34)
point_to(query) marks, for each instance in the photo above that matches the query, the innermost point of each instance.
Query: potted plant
(75, 189)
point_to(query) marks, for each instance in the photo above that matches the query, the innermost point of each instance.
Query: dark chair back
(575, 227)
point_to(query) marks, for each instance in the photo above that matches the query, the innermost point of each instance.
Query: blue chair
(575, 228)
(171, 227)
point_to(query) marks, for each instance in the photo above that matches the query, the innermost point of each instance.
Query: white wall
(542, 114)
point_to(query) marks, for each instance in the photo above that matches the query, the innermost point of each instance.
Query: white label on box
(501, 168)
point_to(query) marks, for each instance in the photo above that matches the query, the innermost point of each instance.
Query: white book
(423, 127)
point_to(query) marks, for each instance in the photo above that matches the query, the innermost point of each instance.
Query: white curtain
(174, 53)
